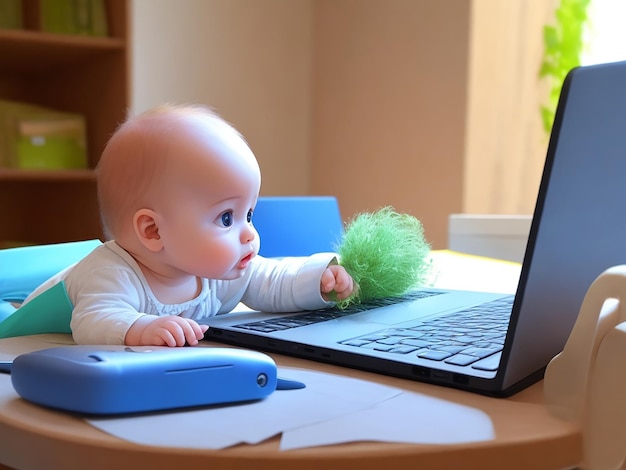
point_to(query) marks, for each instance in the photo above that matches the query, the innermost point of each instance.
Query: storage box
(51, 142)
(494, 236)
(33, 137)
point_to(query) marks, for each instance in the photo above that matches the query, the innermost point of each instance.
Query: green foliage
(563, 44)
(385, 253)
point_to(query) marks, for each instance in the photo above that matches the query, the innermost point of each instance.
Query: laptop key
(357, 343)
(377, 347)
(465, 339)
(390, 340)
(490, 363)
(480, 353)
(451, 349)
(261, 328)
(434, 355)
(461, 359)
(403, 349)
(420, 343)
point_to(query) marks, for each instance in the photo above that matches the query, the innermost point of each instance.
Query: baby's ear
(147, 229)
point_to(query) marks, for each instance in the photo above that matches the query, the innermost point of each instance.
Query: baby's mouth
(245, 261)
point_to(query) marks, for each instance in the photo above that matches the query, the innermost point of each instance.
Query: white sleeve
(288, 284)
(107, 301)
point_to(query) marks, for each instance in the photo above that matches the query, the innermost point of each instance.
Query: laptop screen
(579, 226)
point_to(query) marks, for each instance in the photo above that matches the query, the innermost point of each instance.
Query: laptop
(578, 231)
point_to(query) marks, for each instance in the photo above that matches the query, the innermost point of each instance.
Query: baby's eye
(227, 218)
(249, 216)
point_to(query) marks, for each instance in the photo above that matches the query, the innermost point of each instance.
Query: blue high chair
(297, 225)
(22, 269)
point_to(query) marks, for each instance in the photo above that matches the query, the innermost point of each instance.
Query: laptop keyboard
(474, 336)
(329, 313)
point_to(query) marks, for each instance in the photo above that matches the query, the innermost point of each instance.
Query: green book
(11, 14)
(79, 17)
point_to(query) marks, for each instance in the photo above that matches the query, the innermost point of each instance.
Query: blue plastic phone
(118, 379)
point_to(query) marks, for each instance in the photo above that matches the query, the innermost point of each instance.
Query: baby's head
(175, 181)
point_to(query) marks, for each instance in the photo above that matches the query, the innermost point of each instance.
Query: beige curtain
(505, 142)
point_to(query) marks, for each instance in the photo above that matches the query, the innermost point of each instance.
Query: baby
(177, 187)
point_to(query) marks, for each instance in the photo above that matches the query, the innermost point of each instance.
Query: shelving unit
(79, 74)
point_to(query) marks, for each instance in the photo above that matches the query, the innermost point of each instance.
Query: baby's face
(205, 215)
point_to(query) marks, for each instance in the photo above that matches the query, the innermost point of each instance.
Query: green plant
(563, 44)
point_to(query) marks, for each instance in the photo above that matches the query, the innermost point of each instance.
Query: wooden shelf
(32, 51)
(46, 175)
(85, 75)
(28, 36)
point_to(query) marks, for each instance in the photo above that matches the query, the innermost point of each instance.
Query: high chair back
(24, 268)
(297, 225)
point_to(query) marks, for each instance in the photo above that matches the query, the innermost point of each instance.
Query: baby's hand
(171, 331)
(336, 278)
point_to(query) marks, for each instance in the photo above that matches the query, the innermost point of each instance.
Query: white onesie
(109, 292)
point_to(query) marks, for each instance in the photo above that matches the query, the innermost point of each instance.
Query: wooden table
(526, 437)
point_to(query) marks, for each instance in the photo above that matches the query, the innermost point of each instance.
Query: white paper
(452, 270)
(331, 409)
(408, 417)
(325, 397)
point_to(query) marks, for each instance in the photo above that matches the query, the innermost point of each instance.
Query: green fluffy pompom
(386, 254)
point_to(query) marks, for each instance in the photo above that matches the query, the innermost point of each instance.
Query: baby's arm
(289, 284)
(150, 330)
(336, 278)
(109, 305)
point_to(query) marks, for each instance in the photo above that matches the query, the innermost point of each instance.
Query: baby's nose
(248, 234)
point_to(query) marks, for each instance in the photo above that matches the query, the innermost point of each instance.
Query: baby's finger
(184, 333)
(194, 332)
(165, 335)
(327, 283)
(342, 282)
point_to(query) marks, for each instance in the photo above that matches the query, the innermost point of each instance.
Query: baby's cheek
(227, 254)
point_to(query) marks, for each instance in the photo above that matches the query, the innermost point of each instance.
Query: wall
(248, 59)
(363, 99)
(389, 100)
(506, 144)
